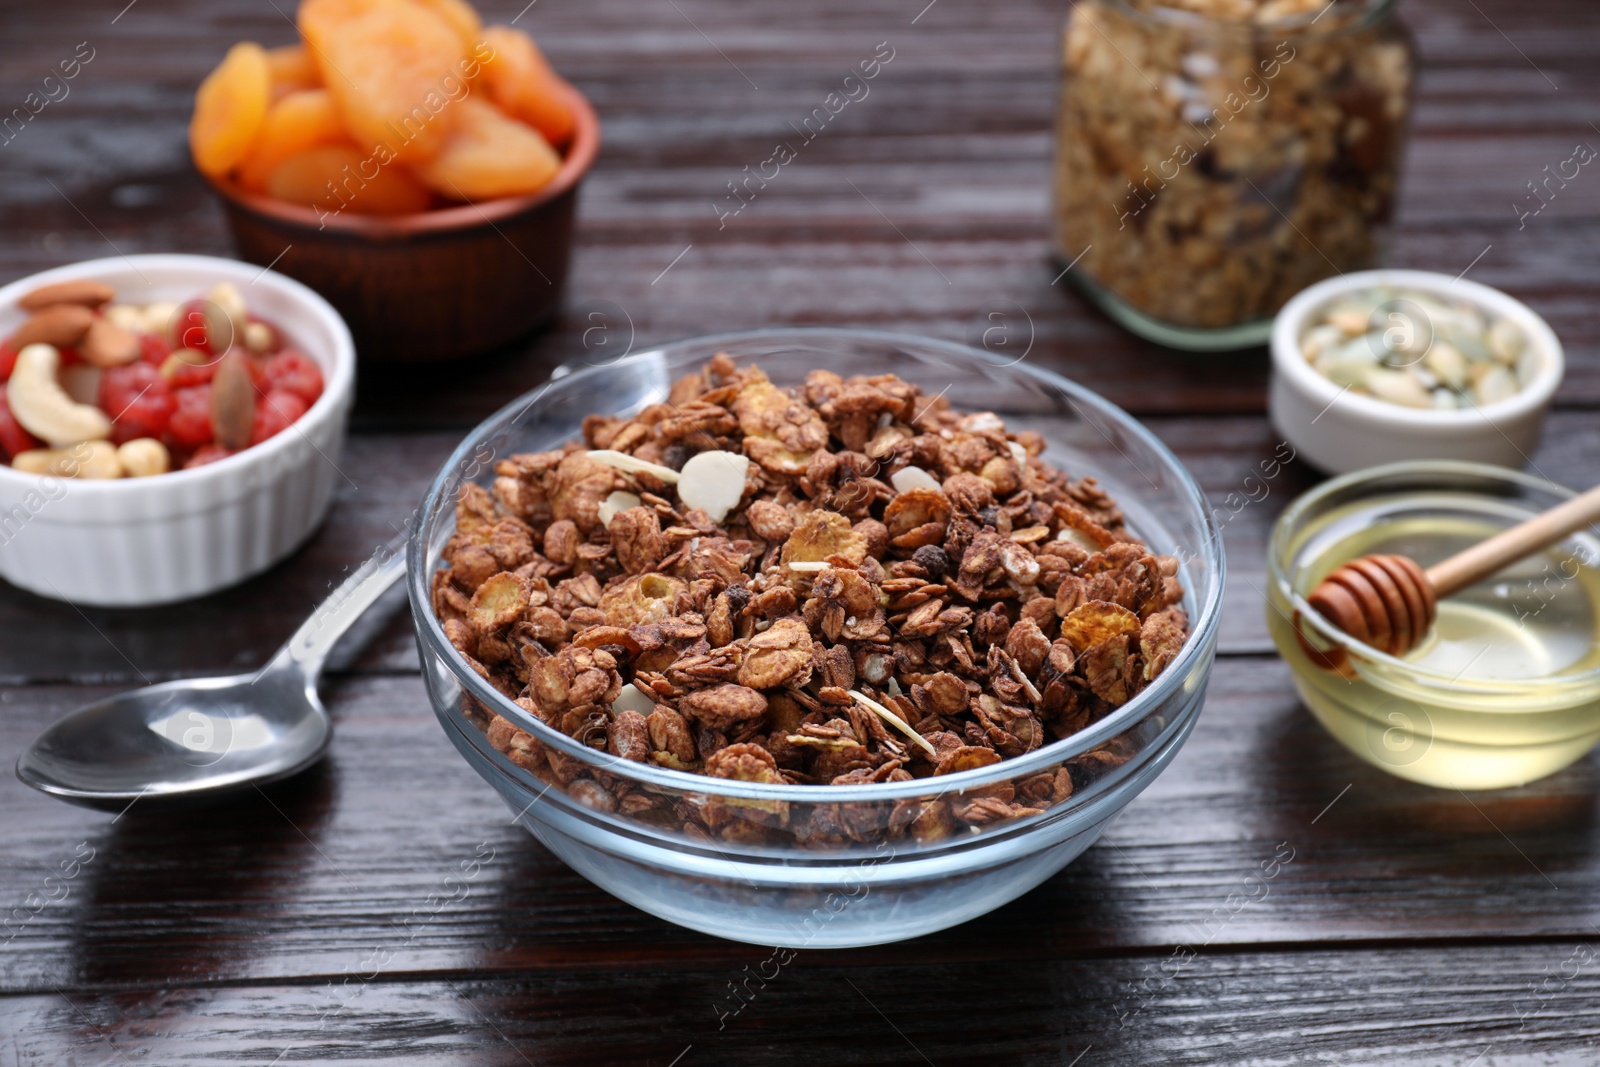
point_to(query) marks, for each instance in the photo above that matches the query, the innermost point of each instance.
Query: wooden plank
(320, 872)
(1510, 1006)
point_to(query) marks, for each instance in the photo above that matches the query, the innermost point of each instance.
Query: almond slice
(713, 482)
(893, 720)
(632, 698)
(628, 464)
(616, 502)
(908, 478)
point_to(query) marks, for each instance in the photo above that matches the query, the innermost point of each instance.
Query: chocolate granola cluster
(839, 583)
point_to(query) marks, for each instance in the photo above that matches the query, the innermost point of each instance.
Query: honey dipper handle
(1506, 547)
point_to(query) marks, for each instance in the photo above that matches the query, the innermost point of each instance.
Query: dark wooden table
(1413, 925)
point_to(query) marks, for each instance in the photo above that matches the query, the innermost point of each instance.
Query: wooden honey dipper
(1390, 602)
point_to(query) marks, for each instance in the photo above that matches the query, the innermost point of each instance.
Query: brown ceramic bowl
(440, 284)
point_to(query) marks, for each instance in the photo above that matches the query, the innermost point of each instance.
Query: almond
(108, 345)
(59, 325)
(233, 403)
(85, 292)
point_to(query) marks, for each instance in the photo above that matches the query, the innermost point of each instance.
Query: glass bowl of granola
(815, 637)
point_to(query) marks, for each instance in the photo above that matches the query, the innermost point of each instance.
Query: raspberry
(138, 399)
(13, 438)
(184, 375)
(275, 412)
(153, 349)
(8, 360)
(190, 425)
(293, 371)
(190, 327)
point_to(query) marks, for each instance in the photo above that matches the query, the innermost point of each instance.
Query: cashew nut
(43, 408)
(144, 456)
(130, 317)
(258, 337)
(57, 461)
(226, 298)
(158, 319)
(85, 459)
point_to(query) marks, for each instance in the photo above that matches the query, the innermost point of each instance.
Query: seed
(1446, 360)
(1497, 384)
(1506, 341)
(233, 403)
(1319, 339)
(1398, 387)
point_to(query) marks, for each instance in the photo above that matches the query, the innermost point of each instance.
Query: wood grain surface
(1412, 925)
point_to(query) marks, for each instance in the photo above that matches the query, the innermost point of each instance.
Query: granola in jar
(843, 582)
(1215, 157)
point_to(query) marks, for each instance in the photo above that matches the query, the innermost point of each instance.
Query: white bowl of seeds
(1387, 365)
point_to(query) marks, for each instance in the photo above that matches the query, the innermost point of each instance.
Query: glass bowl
(1506, 688)
(833, 866)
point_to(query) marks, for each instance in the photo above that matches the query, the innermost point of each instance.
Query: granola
(1215, 157)
(893, 590)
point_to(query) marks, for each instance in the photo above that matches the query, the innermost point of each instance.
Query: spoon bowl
(197, 739)
(171, 741)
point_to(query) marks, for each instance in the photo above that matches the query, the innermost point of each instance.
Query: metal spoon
(190, 740)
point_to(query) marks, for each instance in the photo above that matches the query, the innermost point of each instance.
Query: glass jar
(1215, 157)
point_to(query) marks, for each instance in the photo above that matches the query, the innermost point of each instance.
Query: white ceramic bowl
(140, 541)
(1340, 431)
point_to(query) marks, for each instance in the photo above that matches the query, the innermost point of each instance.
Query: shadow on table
(198, 876)
(1393, 823)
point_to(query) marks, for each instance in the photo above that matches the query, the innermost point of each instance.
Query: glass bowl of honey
(1505, 689)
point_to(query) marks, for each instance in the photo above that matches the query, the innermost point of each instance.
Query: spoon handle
(310, 645)
(1508, 546)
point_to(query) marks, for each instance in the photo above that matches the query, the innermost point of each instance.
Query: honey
(1506, 686)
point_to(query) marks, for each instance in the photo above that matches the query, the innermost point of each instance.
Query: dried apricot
(489, 156)
(291, 70)
(320, 20)
(521, 81)
(335, 178)
(301, 120)
(390, 65)
(229, 109)
(462, 18)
